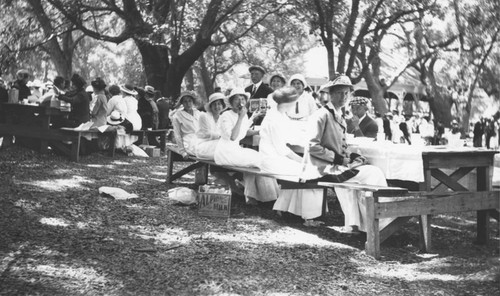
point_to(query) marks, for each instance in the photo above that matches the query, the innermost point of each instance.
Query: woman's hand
(243, 112)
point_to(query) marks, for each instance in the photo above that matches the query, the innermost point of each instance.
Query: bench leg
(201, 175)
(425, 233)
(75, 149)
(163, 141)
(170, 167)
(372, 245)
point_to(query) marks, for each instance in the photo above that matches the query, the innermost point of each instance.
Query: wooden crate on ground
(214, 201)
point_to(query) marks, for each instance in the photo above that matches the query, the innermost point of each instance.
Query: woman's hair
(78, 81)
(231, 98)
(59, 82)
(114, 90)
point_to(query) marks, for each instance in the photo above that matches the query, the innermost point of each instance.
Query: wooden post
(483, 184)
(170, 166)
(201, 175)
(425, 220)
(372, 245)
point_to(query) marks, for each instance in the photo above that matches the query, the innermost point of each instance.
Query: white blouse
(304, 107)
(185, 127)
(117, 103)
(208, 128)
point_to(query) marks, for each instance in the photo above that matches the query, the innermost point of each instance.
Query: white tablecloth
(397, 161)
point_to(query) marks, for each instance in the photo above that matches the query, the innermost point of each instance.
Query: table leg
(483, 184)
(44, 144)
(170, 167)
(425, 220)
(372, 245)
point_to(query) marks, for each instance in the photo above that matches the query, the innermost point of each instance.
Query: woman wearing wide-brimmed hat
(129, 93)
(208, 131)
(234, 125)
(185, 123)
(278, 158)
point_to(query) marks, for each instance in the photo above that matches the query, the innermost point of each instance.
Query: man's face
(339, 95)
(256, 76)
(358, 110)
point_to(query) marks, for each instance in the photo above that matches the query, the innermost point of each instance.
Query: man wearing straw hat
(328, 150)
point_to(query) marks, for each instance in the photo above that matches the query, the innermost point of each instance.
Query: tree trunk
(377, 93)
(331, 57)
(156, 65)
(189, 79)
(205, 77)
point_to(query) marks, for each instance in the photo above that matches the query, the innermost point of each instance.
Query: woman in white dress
(304, 107)
(208, 131)
(276, 82)
(234, 125)
(116, 102)
(129, 94)
(185, 122)
(278, 158)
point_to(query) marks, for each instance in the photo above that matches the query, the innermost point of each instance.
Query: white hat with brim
(215, 97)
(187, 94)
(238, 91)
(300, 78)
(128, 89)
(89, 89)
(115, 118)
(341, 80)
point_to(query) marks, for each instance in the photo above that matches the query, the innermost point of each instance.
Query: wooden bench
(376, 203)
(162, 133)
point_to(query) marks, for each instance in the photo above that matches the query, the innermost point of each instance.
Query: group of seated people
(123, 108)
(292, 119)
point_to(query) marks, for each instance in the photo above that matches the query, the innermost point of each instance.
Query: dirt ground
(58, 236)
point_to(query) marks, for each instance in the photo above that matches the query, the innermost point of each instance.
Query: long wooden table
(32, 121)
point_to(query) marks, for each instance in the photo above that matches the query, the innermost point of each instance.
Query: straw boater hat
(115, 118)
(258, 68)
(341, 80)
(237, 91)
(286, 94)
(214, 97)
(128, 89)
(187, 94)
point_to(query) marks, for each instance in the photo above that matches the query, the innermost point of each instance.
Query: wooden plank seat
(377, 202)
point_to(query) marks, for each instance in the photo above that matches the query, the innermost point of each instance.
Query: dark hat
(149, 90)
(128, 89)
(258, 68)
(78, 81)
(360, 101)
(115, 118)
(286, 94)
(98, 83)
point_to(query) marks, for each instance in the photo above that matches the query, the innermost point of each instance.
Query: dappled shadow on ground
(60, 237)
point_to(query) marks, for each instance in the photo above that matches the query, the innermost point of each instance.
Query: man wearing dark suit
(361, 124)
(258, 89)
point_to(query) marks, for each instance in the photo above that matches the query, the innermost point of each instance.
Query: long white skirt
(306, 203)
(349, 199)
(206, 149)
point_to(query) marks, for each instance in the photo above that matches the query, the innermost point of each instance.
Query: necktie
(254, 89)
